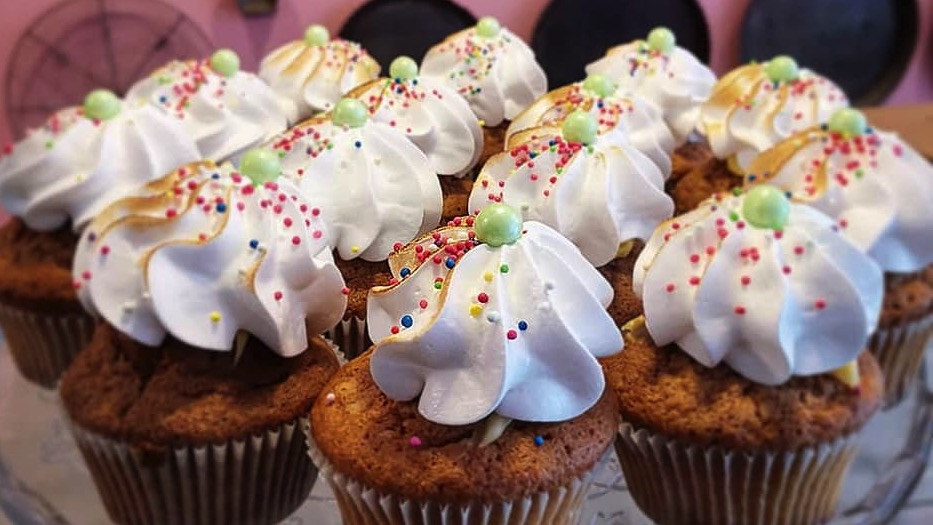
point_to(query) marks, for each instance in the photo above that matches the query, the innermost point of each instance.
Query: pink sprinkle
(397, 246)
(786, 270)
(345, 291)
(482, 297)
(746, 280)
(694, 258)
(798, 250)
(86, 275)
(104, 250)
(740, 310)
(415, 441)
(287, 222)
(315, 211)
(277, 295)
(171, 212)
(296, 240)
(819, 304)
(317, 234)
(694, 280)
(423, 303)
(511, 334)
(670, 287)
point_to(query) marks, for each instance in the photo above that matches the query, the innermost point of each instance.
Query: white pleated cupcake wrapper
(350, 336)
(899, 350)
(43, 345)
(363, 505)
(260, 480)
(676, 483)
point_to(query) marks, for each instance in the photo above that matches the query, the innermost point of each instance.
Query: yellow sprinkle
(354, 249)
(482, 122)
(475, 310)
(487, 277)
(215, 317)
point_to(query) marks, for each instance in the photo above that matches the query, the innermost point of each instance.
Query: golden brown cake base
(367, 437)
(42, 321)
(493, 142)
(456, 191)
(696, 175)
(625, 305)
(905, 327)
(350, 335)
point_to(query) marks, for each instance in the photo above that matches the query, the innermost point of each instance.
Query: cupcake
(53, 182)
(751, 109)
(493, 70)
(482, 401)
(744, 386)
(186, 403)
(878, 190)
(613, 108)
(436, 119)
(375, 189)
(224, 109)
(314, 73)
(597, 190)
(667, 75)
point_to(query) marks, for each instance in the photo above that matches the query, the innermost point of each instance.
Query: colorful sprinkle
(539, 441)
(407, 321)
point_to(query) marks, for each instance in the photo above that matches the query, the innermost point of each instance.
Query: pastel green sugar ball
(101, 104)
(403, 67)
(661, 39)
(580, 126)
(599, 84)
(349, 112)
(782, 69)
(766, 207)
(226, 62)
(498, 224)
(488, 27)
(849, 122)
(316, 35)
(260, 166)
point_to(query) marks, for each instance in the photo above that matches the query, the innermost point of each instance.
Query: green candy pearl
(766, 207)
(101, 104)
(849, 122)
(782, 69)
(317, 35)
(349, 112)
(403, 67)
(488, 27)
(225, 62)
(661, 39)
(260, 166)
(498, 224)
(599, 84)
(580, 126)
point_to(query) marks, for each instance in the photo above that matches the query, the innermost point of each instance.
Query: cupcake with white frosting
(669, 76)
(879, 191)
(224, 109)
(212, 285)
(314, 73)
(53, 182)
(597, 190)
(748, 363)
(436, 119)
(374, 187)
(485, 364)
(640, 120)
(493, 70)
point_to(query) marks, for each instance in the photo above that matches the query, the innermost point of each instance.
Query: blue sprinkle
(404, 272)
(600, 104)
(253, 243)
(358, 144)
(414, 81)
(869, 130)
(221, 207)
(824, 127)
(399, 91)
(539, 440)
(789, 195)
(215, 176)
(522, 325)
(551, 142)
(532, 155)
(407, 321)
(751, 178)
(91, 236)
(163, 99)
(450, 262)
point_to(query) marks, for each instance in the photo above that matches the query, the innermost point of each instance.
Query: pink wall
(223, 23)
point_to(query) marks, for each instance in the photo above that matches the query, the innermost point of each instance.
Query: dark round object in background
(389, 28)
(573, 33)
(862, 45)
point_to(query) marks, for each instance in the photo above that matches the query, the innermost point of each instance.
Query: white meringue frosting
(771, 302)
(492, 69)
(226, 115)
(374, 186)
(202, 254)
(641, 121)
(748, 112)
(598, 195)
(313, 76)
(511, 329)
(432, 115)
(74, 166)
(876, 187)
(671, 78)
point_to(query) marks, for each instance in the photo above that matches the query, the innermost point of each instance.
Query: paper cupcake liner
(899, 350)
(260, 480)
(350, 337)
(42, 344)
(363, 505)
(677, 483)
